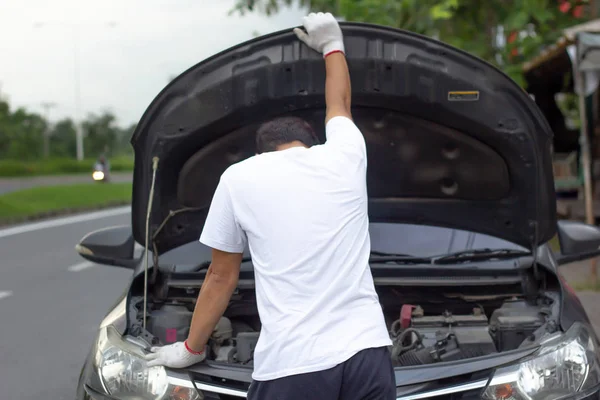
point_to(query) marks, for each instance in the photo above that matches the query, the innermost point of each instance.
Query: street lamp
(76, 81)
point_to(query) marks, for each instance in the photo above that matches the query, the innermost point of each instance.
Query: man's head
(284, 132)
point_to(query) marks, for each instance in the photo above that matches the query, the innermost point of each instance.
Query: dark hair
(284, 130)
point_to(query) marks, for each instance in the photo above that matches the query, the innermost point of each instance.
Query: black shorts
(368, 375)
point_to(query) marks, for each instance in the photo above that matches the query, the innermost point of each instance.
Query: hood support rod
(149, 212)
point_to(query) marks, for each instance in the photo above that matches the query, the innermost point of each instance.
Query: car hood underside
(451, 140)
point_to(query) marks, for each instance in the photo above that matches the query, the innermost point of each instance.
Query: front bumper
(91, 394)
(593, 395)
(474, 391)
(469, 391)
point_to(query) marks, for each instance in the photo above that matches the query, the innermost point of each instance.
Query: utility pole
(75, 36)
(47, 106)
(77, 92)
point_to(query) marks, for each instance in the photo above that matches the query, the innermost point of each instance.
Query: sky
(128, 50)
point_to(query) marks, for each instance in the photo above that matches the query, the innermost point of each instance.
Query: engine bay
(422, 339)
(422, 332)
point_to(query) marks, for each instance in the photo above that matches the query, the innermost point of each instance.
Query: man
(101, 163)
(303, 212)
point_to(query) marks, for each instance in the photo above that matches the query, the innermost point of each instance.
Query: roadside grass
(554, 244)
(47, 200)
(59, 166)
(586, 286)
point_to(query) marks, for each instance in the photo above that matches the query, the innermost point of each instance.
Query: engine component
(513, 323)
(170, 323)
(419, 320)
(431, 326)
(451, 347)
(399, 340)
(221, 343)
(223, 331)
(406, 313)
(245, 345)
(240, 326)
(224, 353)
(473, 343)
(446, 337)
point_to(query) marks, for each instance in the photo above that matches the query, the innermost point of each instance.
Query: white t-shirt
(303, 213)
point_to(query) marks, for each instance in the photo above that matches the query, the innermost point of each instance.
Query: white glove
(175, 355)
(323, 33)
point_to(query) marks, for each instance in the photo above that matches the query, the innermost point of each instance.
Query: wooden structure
(574, 63)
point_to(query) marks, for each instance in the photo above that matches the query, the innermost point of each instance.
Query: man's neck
(295, 143)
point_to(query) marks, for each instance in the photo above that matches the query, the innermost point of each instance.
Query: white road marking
(64, 221)
(5, 293)
(81, 266)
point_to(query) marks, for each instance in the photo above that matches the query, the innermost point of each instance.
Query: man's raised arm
(324, 35)
(337, 87)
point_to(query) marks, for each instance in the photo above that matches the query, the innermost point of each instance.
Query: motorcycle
(100, 173)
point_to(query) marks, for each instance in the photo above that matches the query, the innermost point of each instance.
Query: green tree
(62, 139)
(471, 25)
(4, 128)
(123, 145)
(100, 133)
(21, 133)
(104, 136)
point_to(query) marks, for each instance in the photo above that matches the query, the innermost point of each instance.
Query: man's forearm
(337, 86)
(212, 301)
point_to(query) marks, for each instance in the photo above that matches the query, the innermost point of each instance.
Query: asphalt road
(11, 184)
(51, 303)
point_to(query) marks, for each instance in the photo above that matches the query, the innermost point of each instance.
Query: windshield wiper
(382, 257)
(480, 255)
(383, 253)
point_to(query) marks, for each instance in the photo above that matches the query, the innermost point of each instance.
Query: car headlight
(125, 376)
(98, 175)
(565, 365)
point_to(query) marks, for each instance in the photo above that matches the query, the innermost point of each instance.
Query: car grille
(466, 391)
(224, 390)
(469, 395)
(215, 386)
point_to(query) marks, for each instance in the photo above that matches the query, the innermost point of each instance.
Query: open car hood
(451, 140)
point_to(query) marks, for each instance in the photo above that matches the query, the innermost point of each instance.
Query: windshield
(429, 241)
(386, 238)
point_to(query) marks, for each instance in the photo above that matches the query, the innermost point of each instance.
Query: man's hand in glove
(176, 355)
(323, 33)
